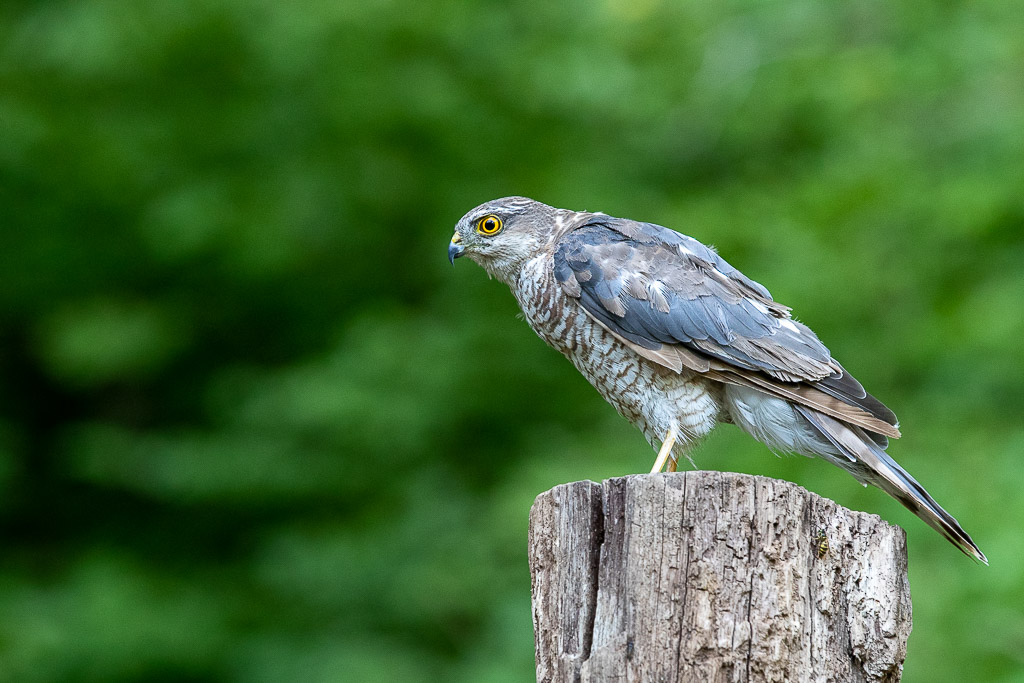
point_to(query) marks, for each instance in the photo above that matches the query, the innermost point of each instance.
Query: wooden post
(713, 576)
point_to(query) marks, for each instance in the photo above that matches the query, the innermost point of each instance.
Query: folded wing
(678, 303)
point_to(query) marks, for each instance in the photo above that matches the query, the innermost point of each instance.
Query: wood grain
(713, 576)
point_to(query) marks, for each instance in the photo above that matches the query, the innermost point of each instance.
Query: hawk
(677, 340)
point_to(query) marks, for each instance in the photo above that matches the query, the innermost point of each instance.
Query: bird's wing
(678, 303)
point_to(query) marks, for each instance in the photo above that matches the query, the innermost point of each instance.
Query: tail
(870, 464)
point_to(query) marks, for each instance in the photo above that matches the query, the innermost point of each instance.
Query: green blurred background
(254, 426)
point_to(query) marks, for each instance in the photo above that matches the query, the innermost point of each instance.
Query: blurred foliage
(254, 428)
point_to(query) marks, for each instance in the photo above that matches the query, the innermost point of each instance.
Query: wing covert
(654, 286)
(680, 304)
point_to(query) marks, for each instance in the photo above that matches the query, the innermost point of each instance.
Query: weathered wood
(712, 576)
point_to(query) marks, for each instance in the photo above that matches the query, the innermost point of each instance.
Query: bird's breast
(651, 397)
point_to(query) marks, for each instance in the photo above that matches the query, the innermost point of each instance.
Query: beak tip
(454, 251)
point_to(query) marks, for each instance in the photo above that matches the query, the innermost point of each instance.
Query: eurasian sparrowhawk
(677, 340)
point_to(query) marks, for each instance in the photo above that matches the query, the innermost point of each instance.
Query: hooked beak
(455, 248)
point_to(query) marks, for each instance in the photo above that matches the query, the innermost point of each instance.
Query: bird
(678, 341)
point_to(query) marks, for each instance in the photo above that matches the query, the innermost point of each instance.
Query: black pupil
(490, 224)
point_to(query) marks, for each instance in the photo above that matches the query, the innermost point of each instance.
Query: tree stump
(714, 576)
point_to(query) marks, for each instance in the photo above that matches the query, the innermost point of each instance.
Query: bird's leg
(666, 450)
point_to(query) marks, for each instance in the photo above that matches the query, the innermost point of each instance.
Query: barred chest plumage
(652, 398)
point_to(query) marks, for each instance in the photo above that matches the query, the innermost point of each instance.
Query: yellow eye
(489, 225)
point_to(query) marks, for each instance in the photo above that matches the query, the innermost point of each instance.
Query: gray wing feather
(646, 288)
(653, 286)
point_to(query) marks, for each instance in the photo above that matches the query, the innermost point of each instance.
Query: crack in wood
(750, 589)
(597, 542)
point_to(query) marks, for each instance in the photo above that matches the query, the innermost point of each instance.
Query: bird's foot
(665, 452)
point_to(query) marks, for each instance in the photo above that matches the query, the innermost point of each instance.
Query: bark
(712, 576)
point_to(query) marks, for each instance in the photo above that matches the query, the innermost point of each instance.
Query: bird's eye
(489, 225)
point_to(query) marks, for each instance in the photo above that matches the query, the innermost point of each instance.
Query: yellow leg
(666, 450)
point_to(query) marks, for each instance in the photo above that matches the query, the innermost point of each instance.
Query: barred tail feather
(872, 465)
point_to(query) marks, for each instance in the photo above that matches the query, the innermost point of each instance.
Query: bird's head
(503, 234)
